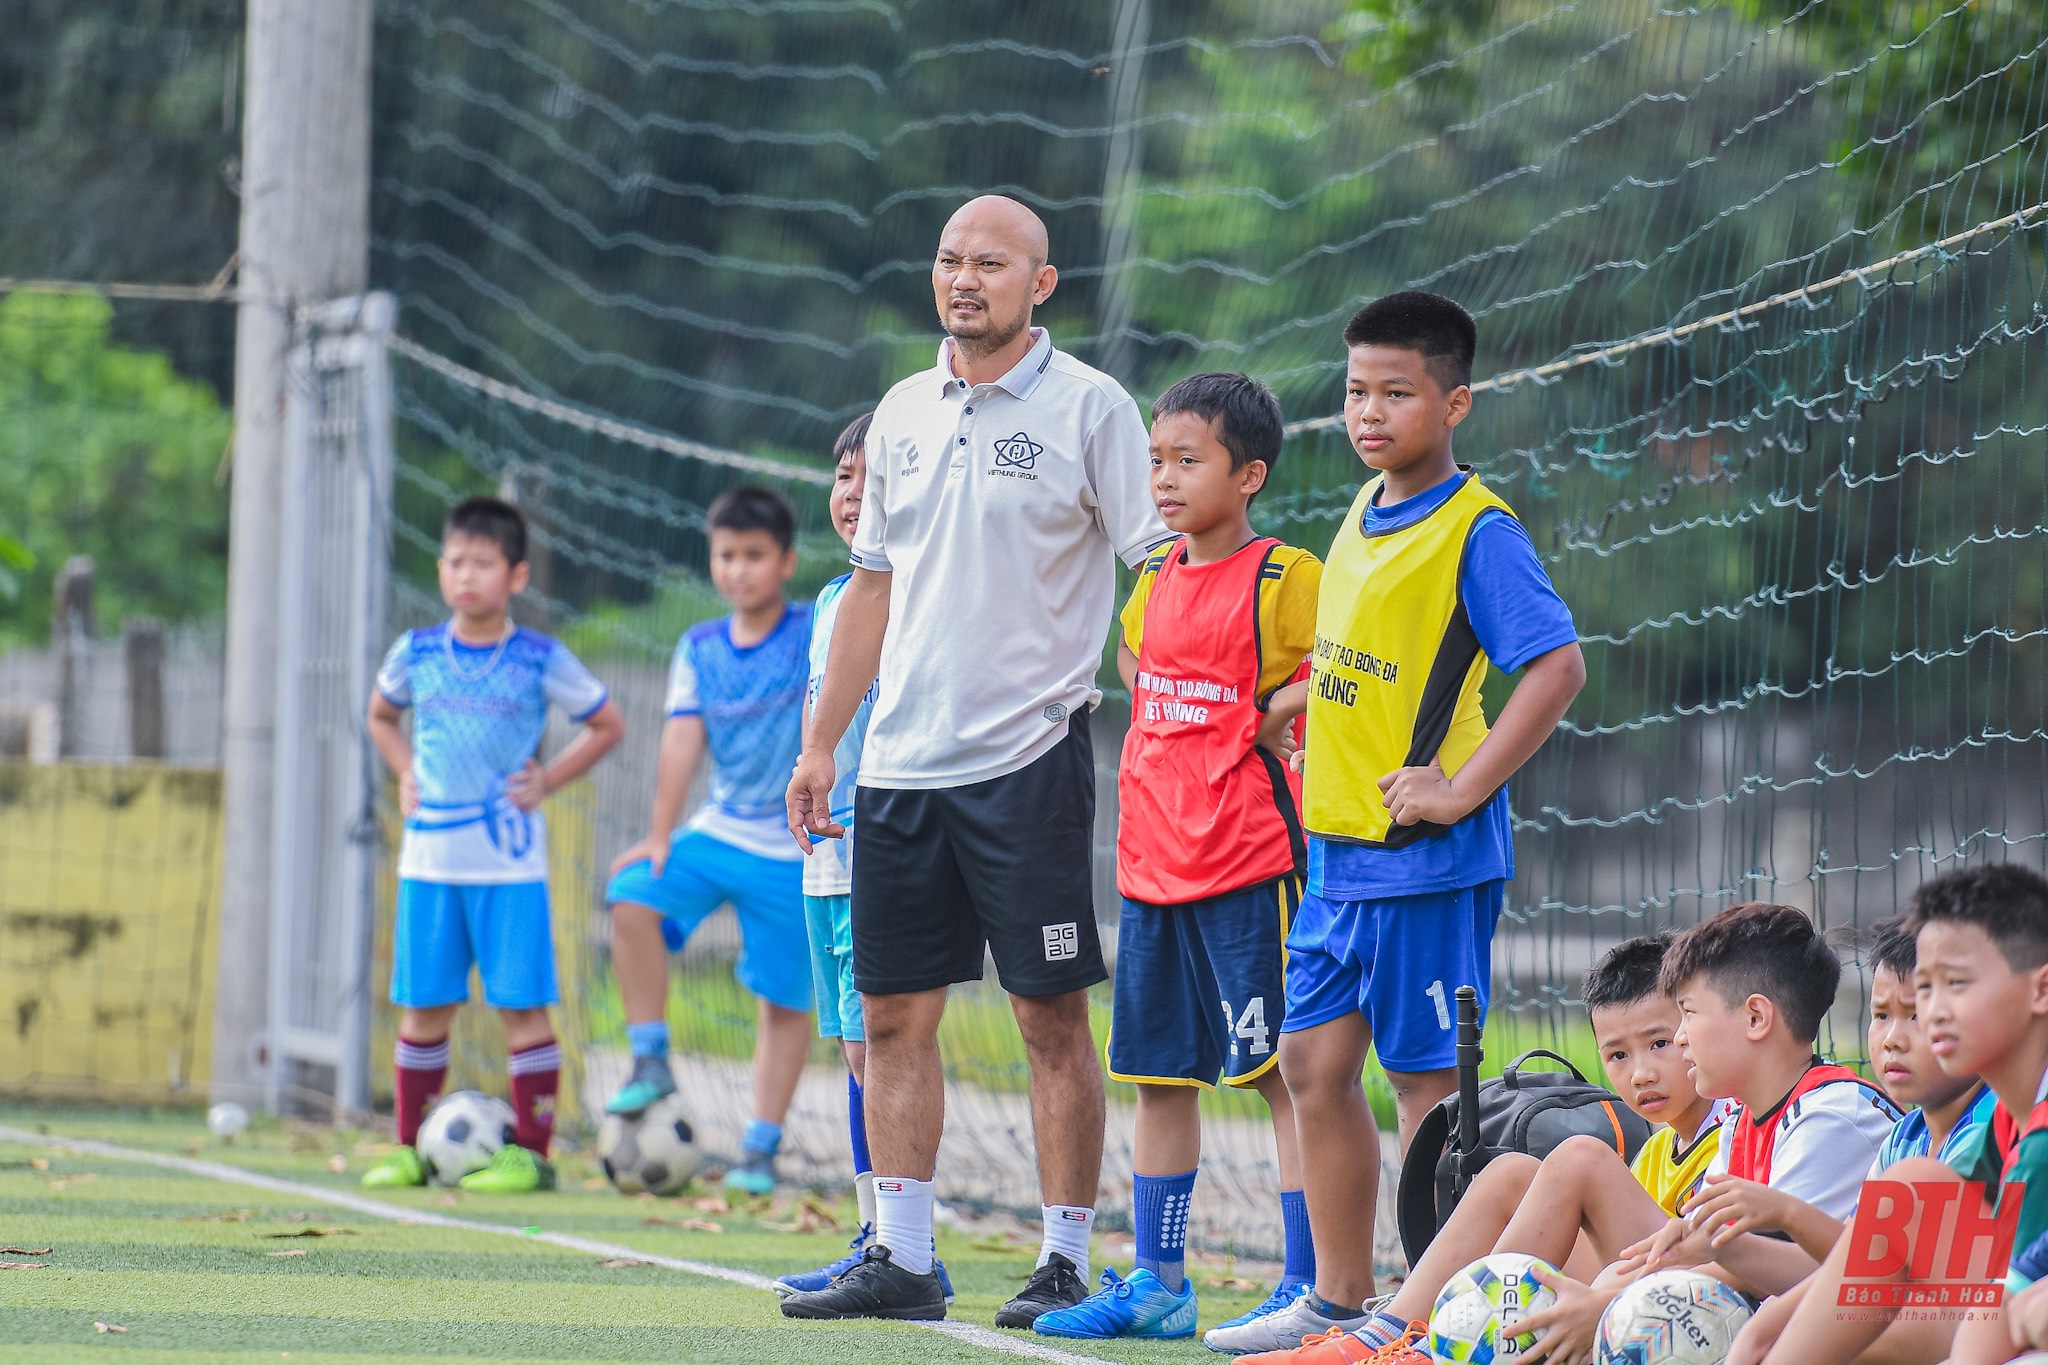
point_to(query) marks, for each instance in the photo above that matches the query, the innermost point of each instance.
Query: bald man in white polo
(1003, 484)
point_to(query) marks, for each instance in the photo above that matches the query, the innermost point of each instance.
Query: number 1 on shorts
(1443, 1012)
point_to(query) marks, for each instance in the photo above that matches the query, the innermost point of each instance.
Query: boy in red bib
(1209, 844)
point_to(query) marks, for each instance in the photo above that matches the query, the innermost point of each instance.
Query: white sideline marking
(984, 1337)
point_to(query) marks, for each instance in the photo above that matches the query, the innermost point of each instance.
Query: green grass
(189, 1265)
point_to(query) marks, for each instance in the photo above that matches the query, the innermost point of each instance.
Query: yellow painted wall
(109, 898)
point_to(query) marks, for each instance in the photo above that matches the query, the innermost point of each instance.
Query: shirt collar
(1021, 379)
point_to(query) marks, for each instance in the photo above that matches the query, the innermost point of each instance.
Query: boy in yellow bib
(1430, 579)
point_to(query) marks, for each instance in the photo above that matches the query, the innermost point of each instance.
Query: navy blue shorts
(1201, 988)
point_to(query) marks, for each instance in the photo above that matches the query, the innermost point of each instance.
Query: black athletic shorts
(1007, 863)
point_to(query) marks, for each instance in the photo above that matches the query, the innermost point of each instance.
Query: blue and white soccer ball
(462, 1133)
(1475, 1316)
(1674, 1317)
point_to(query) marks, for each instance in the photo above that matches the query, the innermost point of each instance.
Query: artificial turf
(200, 1269)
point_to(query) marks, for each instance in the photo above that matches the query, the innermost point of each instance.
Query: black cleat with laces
(874, 1287)
(1056, 1284)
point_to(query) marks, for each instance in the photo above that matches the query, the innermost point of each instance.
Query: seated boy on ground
(1751, 986)
(1634, 1025)
(1947, 1120)
(1981, 995)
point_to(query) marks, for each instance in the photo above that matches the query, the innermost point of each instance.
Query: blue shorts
(767, 894)
(445, 928)
(1399, 962)
(1200, 990)
(830, 919)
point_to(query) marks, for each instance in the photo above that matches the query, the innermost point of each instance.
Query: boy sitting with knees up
(1751, 986)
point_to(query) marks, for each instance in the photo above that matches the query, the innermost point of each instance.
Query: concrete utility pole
(1131, 32)
(305, 239)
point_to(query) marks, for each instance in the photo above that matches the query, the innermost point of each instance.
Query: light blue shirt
(478, 715)
(829, 869)
(1909, 1136)
(751, 698)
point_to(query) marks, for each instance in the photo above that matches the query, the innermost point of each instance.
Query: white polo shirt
(997, 508)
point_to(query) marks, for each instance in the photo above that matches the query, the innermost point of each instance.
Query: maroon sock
(536, 1073)
(422, 1068)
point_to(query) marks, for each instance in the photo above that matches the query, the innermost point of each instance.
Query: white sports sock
(1066, 1231)
(903, 1221)
(864, 1197)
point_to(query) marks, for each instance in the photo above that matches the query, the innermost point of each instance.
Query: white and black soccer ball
(652, 1152)
(1674, 1317)
(463, 1131)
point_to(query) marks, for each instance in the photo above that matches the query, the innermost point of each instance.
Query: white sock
(864, 1197)
(903, 1221)
(1066, 1231)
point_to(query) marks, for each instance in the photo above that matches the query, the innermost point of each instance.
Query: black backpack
(1518, 1111)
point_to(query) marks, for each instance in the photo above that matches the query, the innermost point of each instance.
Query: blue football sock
(857, 1124)
(1159, 1209)
(1381, 1329)
(1300, 1266)
(648, 1040)
(761, 1136)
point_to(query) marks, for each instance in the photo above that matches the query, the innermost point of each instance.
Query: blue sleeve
(1514, 610)
(394, 678)
(570, 685)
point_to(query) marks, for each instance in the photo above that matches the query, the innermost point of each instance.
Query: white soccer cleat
(1280, 1330)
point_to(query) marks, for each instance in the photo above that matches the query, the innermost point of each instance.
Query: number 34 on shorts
(1249, 1035)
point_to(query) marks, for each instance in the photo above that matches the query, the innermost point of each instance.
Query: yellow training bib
(1397, 667)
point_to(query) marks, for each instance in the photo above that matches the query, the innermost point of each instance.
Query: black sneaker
(875, 1287)
(1056, 1284)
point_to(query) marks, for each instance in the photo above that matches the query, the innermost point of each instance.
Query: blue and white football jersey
(478, 715)
(751, 700)
(829, 869)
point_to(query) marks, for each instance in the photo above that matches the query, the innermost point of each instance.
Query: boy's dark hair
(1246, 414)
(491, 519)
(1413, 320)
(2008, 902)
(1627, 973)
(1759, 949)
(1892, 949)
(853, 438)
(750, 507)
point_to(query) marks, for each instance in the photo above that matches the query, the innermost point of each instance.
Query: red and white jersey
(1816, 1144)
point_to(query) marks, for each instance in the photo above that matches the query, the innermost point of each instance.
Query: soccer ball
(654, 1151)
(1475, 1315)
(462, 1133)
(1674, 1317)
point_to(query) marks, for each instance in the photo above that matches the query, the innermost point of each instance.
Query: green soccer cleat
(401, 1170)
(651, 1080)
(514, 1170)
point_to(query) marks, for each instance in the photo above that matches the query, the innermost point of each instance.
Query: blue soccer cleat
(754, 1175)
(651, 1080)
(1141, 1306)
(811, 1281)
(1285, 1294)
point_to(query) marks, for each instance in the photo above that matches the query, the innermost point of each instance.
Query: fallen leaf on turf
(24, 1251)
(40, 1163)
(109, 1327)
(622, 1263)
(1229, 1282)
(195, 1147)
(700, 1225)
(295, 1251)
(235, 1216)
(338, 1164)
(313, 1232)
(24, 1265)
(821, 1211)
(709, 1204)
(446, 1201)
